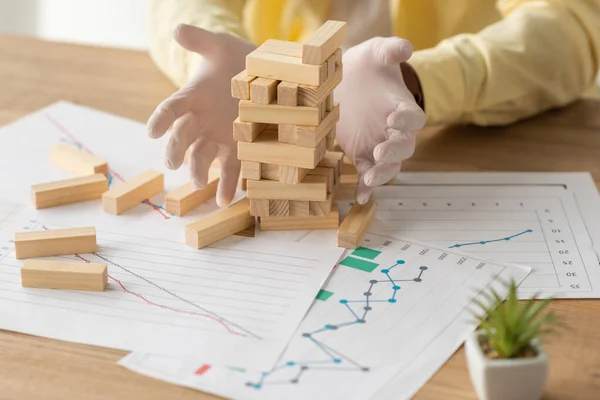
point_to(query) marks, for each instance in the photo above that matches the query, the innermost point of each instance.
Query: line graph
(504, 239)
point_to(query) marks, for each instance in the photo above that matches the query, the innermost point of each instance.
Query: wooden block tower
(286, 130)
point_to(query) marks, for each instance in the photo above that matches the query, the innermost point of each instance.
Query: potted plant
(505, 356)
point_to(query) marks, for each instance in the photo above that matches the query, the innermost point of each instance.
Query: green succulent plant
(510, 327)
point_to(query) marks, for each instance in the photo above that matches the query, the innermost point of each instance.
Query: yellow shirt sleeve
(541, 55)
(214, 15)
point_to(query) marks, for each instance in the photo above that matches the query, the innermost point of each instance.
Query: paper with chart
(391, 308)
(239, 300)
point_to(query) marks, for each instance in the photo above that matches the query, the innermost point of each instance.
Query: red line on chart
(202, 370)
(64, 130)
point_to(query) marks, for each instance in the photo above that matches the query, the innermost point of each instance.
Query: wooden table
(34, 74)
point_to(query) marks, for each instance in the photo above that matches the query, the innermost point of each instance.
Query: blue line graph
(504, 239)
(334, 359)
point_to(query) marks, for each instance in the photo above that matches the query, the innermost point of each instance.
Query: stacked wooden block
(286, 129)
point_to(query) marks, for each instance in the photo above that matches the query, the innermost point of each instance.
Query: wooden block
(329, 102)
(259, 207)
(285, 68)
(56, 242)
(266, 149)
(355, 225)
(347, 168)
(248, 232)
(246, 131)
(299, 208)
(312, 187)
(75, 161)
(331, 65)
(323, 109)
(308, 136)
(330, 139)
(276, 114)
(185, 198)
(269, 171)
(66, 275)
(332, 159)
(251, 170)
(282, 47)
(287, 94)
(263, 90)
(312, 95)
(331, 221)
(321, 208)
(132, 192)
(68, 191)
(243, 183)
(240, 85)
(349, 179)
(279, 208)
(324, 42)
(286, 133)
(292, 175)
(345, 191)
(219, 225)
(338, 58)
(328, 173)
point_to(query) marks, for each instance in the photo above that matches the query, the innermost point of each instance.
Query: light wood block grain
(328, 173)
(269, 171)
(247, 131)
(251, 170)
(313, 95)
(240, 85)
(219, 225)
(248, 232)
(321, 208)
(75, 161)
(299, 208)
(64, 275)
(311, 188)
(263, 90)
(132, 192)
(330, 142)
(267, 149)
(308, 136)
(185, 198)
(286, 133)
(331, 65)
(276, 114)
(285, 68)
(55, 242)
(324, 42)
(280, 208)
(259, 207)
(333, 159)
(287, 94)
(330, 221)
(355, 225)
(292, 175)
(282, 47)
(68, 191)
(329, 102)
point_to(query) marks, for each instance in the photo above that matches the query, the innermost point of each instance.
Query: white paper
(418, 312)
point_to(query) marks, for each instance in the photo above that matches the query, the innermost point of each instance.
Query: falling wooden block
(248, 232)
(355, 225)
(324, 42)
(75, 161)
(328, 173)
(312, 187)
(287, 94)
(240, 85)
(66, 275)
(269, 171)
(132, 192)
(282, 47)
(68, 191)
(299, 208)
(56, 242)
(285, 68)
(259, 207)
(251, 170)
(263, 90)
(185, 198)
(219, 225)
(312, 95)
(276, 114)
(330, 221)
(279, 208)
(292, 175)
(267, 149)
(246, 131)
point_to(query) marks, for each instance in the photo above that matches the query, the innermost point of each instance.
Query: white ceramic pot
(508, 379)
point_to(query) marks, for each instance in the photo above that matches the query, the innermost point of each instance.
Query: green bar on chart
(365, 252)
(357, 263)
(324, 295)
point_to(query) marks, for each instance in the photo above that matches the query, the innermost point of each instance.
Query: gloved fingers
(392, 50)
(407, 116)
(185, 132)
(203, 153)
(399, 146)
(381, 173)
(363, 192)
(230, 173)
(169, 111)
(195, 39)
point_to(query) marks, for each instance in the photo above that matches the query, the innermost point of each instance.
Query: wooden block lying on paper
(282, 47)
(240, 85)
(355, 225)
(285, 68)
(248, 232)
(132, 192)
(185, 198)
(267, 149)
(75, 161)
(313, 95)
(276, 114)
(309, 136)
(56, 242)
(263, 90)
(247, 131)
(68, 191)
(328, 173)
(324, 42)
(66, 275)
(312, 187)
(251, 170)
(259, 207)
(329, 221)
(219, 225)
(287, 94)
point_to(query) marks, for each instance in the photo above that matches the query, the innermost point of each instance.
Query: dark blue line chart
(335, 360)
(504, 239)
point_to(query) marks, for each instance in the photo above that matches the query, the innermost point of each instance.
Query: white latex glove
(203, 110)
(379, 115)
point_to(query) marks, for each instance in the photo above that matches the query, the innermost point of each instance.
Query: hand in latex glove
(203, 110)
(379, 115)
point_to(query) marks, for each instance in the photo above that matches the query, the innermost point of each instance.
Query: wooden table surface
(34, 74)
